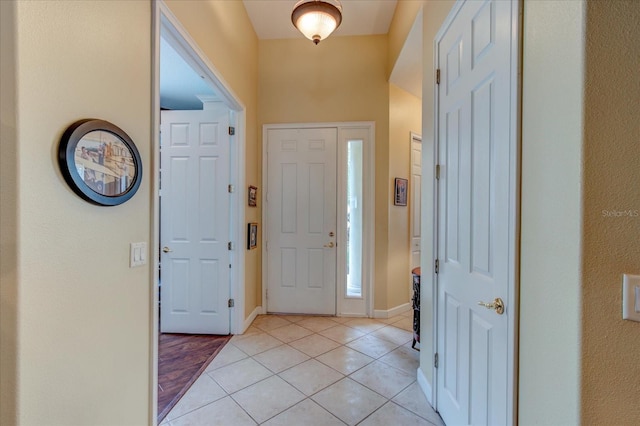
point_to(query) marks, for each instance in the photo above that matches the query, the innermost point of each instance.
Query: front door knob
(330, 245)
(166, 249)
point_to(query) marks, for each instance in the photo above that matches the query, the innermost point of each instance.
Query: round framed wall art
(100, 162)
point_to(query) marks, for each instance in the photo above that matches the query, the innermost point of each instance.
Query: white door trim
(369, 218)
(164, 21)
(514, 218)
(414, 137)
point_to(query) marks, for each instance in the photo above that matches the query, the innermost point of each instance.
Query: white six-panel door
(477, 201)
(301, 220)
(194, 217)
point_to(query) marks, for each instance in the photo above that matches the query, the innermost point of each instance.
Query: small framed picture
(400, 192)
(252, 236)
(253, 196)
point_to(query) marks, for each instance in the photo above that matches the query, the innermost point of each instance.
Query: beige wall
(8, 216)
(76, 343)
(403, 18)
(223, 31)
(83, 316)
(301, 83)
(405, 116)
(610, 350)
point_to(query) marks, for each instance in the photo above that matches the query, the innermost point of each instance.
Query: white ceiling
(179, 84)
(271, 19)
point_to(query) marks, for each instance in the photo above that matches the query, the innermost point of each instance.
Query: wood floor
(181, 359)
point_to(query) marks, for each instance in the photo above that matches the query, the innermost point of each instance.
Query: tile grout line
(366, 331)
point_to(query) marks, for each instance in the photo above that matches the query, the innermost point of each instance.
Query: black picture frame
(100, 162)
(252, 236)
(253, 196)
(400, 192)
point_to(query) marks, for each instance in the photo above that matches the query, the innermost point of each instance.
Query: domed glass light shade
(316, 19)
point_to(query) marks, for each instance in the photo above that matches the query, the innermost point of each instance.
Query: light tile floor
(303, 370)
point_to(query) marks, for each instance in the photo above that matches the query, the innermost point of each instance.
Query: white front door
(416, 191)
(194, 217)
(301, 220)
(477, 200)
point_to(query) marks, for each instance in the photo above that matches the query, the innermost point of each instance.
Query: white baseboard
(247, 322)
(392, 312)
(425, 386)
(348, 315)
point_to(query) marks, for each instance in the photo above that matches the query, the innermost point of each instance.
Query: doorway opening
(416, 202)
(172, 41)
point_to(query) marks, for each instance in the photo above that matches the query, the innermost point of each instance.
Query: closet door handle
(497, 305)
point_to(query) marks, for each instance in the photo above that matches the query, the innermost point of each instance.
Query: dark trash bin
(415, 305)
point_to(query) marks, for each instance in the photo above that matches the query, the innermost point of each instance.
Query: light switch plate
(137, 254)
(631, 297)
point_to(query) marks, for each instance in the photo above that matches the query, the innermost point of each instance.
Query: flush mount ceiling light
(317, 19)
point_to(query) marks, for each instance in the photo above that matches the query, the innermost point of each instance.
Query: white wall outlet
(631, 297)
(137, 254)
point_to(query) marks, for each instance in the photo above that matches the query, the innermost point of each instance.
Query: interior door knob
(166, 249)
(497, 305)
